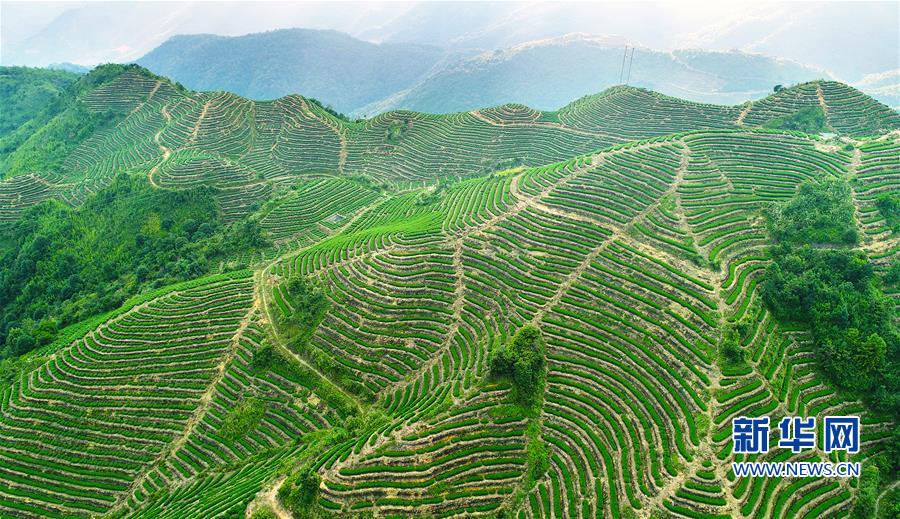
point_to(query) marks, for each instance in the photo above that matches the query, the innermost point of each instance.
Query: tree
(523, 361)
(300, 491)
(778, 88)
(835, 291)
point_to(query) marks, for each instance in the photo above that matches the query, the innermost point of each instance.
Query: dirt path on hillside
(823, 105)
(336, 128)
(265, 284)
(268, 498)
(166, 151)
(204, 403)
(740, 118)
(616, 234)
(196, 129)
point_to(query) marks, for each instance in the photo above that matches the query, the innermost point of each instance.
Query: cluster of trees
(836, 292)
(888, 204)
(820, 213)
(810, 119)
(308, 308)
(243, 418)
(60, 265)
(523, 361)
(300, 492)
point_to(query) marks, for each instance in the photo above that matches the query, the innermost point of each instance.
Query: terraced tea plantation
(351, 362)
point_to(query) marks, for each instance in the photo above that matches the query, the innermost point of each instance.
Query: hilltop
(128, 118)
(488, 313)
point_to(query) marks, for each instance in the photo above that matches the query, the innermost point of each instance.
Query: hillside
(25, 91)
(242, 148)
(348, 363)
(321, 64)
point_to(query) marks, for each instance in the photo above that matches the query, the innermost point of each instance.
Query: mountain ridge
(545, 73)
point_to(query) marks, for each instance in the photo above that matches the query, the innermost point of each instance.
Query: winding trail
(166, 151)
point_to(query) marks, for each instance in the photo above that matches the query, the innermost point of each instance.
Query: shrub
(300, 491)
(889, 206)
(308, 307)
(264, 512)
(820, 213)
(263, 358)
(243, 418)
(523, 361)
(810, 119)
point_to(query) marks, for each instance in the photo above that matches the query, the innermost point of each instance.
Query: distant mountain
(849, 39)
(884, 86)
(548, 74)
(69, 67)
(342, 71)
(545, 74)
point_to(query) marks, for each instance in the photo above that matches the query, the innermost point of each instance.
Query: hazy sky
(849, 39)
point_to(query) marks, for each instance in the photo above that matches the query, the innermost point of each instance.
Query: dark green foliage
(244, 235)
(308, 306)
(523, 361)
(892, 276)
(60, 265)
(300, 491)
(810, 119)
(243, 418)
(836, 293)
(888, 204)
(778, 88)
(396, 131)
(24, 92)
(329, 109)
(730, 348)
(263, 358)
(48, 147)
(820, 213)
(868, 488)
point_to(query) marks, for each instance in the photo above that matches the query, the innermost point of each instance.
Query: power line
(630, 61)
(622, 72)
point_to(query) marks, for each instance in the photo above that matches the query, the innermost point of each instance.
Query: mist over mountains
(849, 39)
(545, 74)
(446, 56)
(338, 69)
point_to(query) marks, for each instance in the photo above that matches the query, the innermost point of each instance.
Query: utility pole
(630, 61)
(622, 72)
